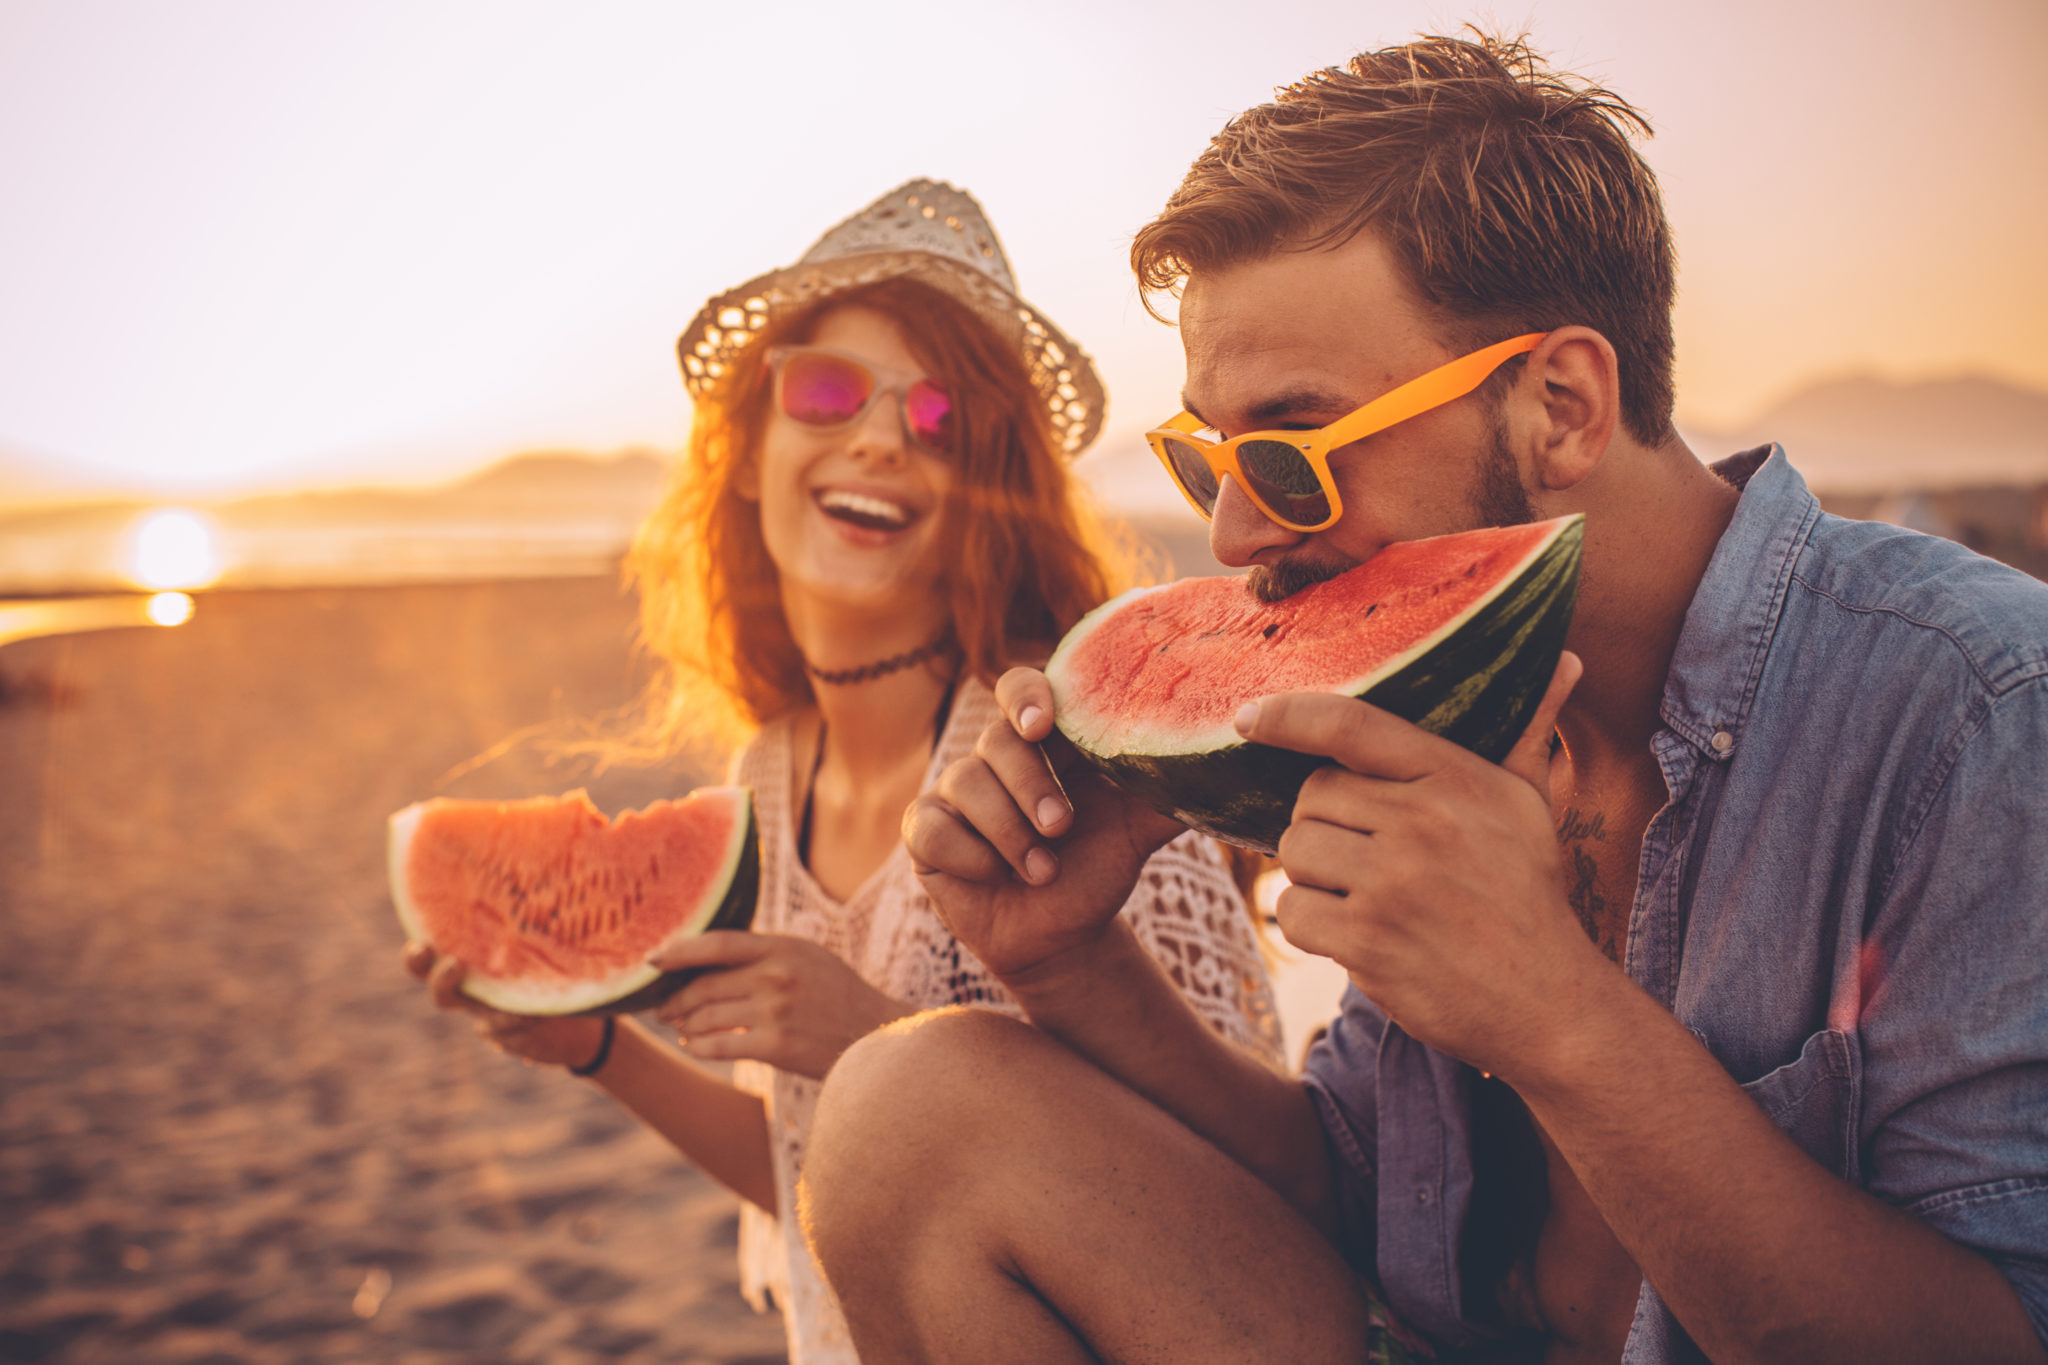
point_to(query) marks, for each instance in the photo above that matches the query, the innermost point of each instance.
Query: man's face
(1296, 341)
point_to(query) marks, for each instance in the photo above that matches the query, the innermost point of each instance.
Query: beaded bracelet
(604, 1050)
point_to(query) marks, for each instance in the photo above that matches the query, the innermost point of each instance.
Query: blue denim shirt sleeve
(1954, 1019)
(1341, 1075)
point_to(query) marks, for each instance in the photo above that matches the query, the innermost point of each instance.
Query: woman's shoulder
(768, 745)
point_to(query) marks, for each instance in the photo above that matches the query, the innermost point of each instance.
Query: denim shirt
(1844, 897)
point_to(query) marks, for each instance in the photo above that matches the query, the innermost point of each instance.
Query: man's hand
(1429, 874)
(1026, 852)
(777, 999)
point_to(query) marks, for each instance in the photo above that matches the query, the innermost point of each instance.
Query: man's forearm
(1760, 1253)
(1113, 1004)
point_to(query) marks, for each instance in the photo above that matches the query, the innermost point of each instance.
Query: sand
(231, 1129)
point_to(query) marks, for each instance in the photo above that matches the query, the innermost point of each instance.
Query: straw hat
(930, 230)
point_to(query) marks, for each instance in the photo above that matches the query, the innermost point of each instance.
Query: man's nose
(1238, 530)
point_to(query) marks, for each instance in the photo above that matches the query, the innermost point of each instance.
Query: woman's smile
(879, 514)
(849, 513)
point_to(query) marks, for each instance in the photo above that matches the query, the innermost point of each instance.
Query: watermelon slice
(1458, 633)
(553, 909)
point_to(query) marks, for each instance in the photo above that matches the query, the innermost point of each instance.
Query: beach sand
(231, 1128)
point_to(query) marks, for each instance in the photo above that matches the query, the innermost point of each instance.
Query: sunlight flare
(170, 608)
(173, 547)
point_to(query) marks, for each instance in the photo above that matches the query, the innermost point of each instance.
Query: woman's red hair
(1024, 559)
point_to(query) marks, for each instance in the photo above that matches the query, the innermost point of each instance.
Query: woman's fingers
(732, 1046)
(718, 1016)
(444, 983)
(506, 1030)
(418, 958)
(1026, 701)
(718, 948)
(988, 805)
(736, 984)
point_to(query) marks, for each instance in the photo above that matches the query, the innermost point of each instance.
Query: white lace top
(1186, 912)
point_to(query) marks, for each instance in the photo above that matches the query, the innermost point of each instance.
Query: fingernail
(1027, 718)
(1040, 866)
(1247, 717)
(1049, 812)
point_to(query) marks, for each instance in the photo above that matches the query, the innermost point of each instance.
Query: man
(1716, 1030)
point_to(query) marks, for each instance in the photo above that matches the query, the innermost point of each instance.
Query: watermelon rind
(626, 992)
(1476, 681)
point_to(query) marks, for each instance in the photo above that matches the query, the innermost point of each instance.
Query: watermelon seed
(1268, 631)
(1371, 609)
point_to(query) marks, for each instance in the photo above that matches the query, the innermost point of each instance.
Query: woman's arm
(713, 1123)
(720, 1127)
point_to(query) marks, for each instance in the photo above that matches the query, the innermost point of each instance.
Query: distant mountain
(28, 479)
(530, 515)
(1860, 433)
(545, 485)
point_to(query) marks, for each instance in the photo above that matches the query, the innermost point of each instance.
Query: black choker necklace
(942, 643)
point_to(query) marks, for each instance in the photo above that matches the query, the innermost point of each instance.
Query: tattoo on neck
(1582, 887)
(1574, 825)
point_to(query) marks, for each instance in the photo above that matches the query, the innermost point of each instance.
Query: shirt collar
(1735, 609)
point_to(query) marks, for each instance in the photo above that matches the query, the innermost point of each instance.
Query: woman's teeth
(861, 509)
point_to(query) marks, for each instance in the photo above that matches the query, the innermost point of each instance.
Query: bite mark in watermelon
(553, 909)
(1459, 634)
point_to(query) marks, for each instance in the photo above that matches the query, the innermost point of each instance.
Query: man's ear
(1568, 404)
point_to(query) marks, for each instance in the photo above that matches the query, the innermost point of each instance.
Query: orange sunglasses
(1287, 473)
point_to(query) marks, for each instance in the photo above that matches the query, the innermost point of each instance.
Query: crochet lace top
(1186, 912)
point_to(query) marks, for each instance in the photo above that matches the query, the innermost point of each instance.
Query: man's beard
(1271, 583)
(1497, 499)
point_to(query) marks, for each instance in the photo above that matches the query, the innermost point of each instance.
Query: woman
(873, 521)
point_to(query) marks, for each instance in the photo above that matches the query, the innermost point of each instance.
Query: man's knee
(901, 1113)
(901, 1079)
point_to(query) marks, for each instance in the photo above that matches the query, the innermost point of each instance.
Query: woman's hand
(565, 1041)
(1026, 852)
(784, 1001)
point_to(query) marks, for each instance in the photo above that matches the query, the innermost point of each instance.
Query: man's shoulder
(1941, 603)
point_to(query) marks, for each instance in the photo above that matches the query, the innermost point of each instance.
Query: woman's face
(851, 513)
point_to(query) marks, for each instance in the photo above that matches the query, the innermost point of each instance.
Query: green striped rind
(1479, 687)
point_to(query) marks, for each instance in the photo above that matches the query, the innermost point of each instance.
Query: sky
(255, 245)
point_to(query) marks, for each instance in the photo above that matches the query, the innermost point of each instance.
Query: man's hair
(1510, 193)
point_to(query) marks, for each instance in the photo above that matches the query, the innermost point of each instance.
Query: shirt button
(1723, 741)
(1422, 1196)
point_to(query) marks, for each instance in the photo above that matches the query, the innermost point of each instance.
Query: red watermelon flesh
(1456, 633)
(553, 909)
